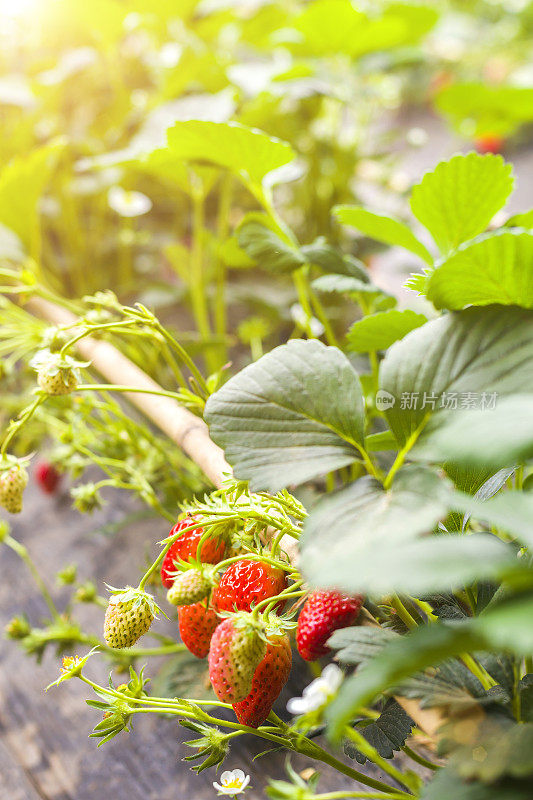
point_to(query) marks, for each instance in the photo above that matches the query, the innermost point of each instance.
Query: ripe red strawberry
(47, 477)
(186, 548)
(489, 143)
(323, 613)
(189, 587)
(245, 583)
(235, 652)
(197, 626)
(269, 679)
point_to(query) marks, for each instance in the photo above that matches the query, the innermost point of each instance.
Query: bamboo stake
(190, 434)
(188, 431)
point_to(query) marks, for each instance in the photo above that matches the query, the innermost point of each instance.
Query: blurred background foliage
(121, 167)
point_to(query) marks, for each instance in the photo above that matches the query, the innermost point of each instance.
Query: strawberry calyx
(138, 597)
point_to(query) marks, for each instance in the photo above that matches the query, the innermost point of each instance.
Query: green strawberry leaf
(461, 360)
(498, 110)
(505, 626)
(458, 199)
(383, 229)
(379, 331)
(447, 784)
(336, 26)
(510, 511)
(250, 154)
(387, 733)
(525, 689)
(183, 675)
(502, 627)
(382, 440)
(451, 686)
(352, 286)
(502, 747)
(331, 260)
(481, 439)
(343, 284)
(294, 414)
(398, 556)
(495, 269)
(358, 644)
(266, 248)
(524, 220)
(22, 182)
(402, 657)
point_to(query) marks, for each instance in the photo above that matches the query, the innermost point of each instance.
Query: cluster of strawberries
(249, 656)
(249, 661)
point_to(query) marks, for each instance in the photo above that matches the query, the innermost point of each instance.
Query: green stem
(322, 316)
(22, 419)
(300, 744)
(165, 550)
(132, 389)
(300, 282)
(317, 752)
(370, 752)
(270, 602)
(400, 458)
(90, 329)
(486, 680)
(374, 365)
(220, 313)
(369, 795)
(24, 555)
(197, 284)
(185, 357)
(424, 762)
(402, 612)
(471, 599)
(174, 367)
(369, 464)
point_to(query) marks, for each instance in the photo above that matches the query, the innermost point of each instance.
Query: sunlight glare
(16, 8)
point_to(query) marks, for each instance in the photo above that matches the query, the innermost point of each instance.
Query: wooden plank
(15, 783)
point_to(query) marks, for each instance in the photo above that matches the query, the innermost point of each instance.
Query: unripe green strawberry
(58, 383)
(189, 587)
(129, 615)
(56, 374)
(13, 481)
(237, 647)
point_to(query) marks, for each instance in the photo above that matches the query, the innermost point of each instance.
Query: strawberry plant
(409, 565)
(190, 312)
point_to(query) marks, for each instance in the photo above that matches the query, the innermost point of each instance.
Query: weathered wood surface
(44, 750)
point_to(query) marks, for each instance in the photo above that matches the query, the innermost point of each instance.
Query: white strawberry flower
(318, 692)
(128, 204)
(232, 782)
